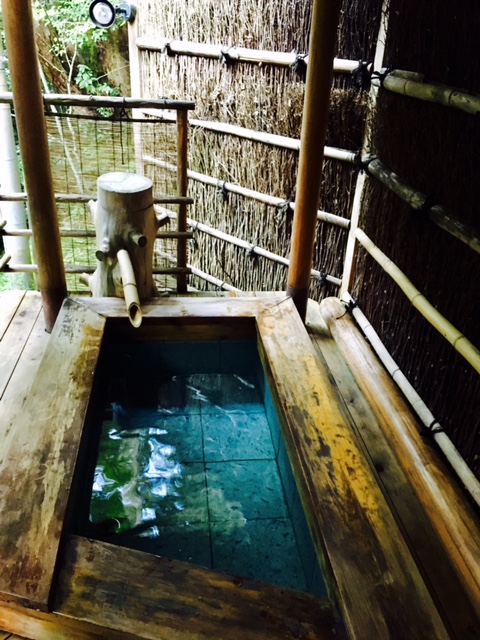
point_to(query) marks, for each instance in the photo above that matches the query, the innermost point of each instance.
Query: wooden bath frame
(91, 586)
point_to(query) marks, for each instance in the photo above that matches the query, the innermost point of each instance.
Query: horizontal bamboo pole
(283, 142)
(248, 246)
(439, 215)
(79, 269)
(80, 198)
(452, 454)
(75, 100)
(247, 193)
(201, 274)
(412, 86)
(237, 54)
(85, 233)
(460, 343)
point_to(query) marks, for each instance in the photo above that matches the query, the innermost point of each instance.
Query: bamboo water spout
(126, 227)
(130, 289)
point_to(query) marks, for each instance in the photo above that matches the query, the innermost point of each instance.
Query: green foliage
(75, 41)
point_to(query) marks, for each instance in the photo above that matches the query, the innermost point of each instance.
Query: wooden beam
(154, 597)
(40, 451)
(32, 134)
(419, 533)
(452, 517)
(375, 580)
(314, 125)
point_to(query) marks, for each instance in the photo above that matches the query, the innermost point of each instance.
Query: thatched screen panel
(435, 150)
(263, 98)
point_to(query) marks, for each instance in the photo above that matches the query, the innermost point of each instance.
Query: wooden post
(315, 113)
(182, 184)
(32, 134)
(125, 227)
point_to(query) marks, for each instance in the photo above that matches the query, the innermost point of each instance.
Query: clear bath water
(192, 466)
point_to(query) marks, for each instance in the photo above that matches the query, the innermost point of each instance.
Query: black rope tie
(167, 48)
(193, 240)
(222, 191)
(300, 65)
(431, 430)
(381, 75)
(225, 57)
(362, 77)
(283, 209)
(321, 280)
(360, 164)
(251, 252)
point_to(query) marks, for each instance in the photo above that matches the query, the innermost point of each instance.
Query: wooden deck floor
(23, 342)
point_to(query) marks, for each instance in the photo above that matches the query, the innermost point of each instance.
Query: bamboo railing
(459, 342)
(247, 193)
(429, 421)
(248, 246)
(234, 54)
(411, 84)
(283, 142)
(419, 201)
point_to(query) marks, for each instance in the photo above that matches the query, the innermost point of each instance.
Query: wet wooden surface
(426, 547)
(39, 453)
(100, 583)
(380, 591)
(455, 523)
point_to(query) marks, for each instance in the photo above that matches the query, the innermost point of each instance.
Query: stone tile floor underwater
(187, 469)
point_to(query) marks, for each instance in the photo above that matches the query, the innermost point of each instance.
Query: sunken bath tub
(54, 559)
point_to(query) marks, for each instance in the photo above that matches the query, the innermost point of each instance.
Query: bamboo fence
(435, 149)
(266, 99)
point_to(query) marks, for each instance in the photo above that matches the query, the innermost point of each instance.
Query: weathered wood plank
(39, 456)
(9, 303)
(186, 309)
(421, 537)
(18, 387)
(378, 587)
(14, 340)
(36, 625)
(452, 517)
(158, 598)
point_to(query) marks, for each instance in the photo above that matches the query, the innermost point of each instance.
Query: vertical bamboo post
(135, 92)
(315, 113)
(32, 134)
(182, 184)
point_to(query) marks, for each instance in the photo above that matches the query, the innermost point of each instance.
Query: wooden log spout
(125, 226)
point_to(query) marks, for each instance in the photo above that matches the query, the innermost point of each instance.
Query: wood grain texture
(39, 457)
(13, 342)
(419, 533)
(162, 599)
(187, 309)
(378, 587)
(455, 523)
(9, 303)
(22, 377)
